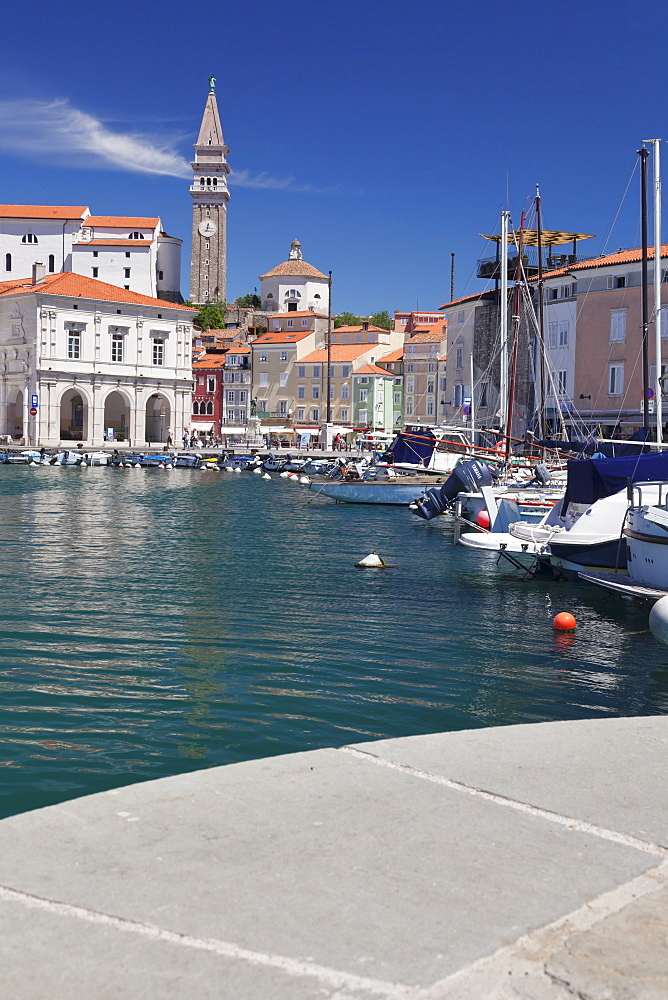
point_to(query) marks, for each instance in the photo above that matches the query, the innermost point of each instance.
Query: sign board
(466, 410)
(650, 406)
(109, 436)
(33, 411)
(467, 400)
(650, 392)
(34, 400)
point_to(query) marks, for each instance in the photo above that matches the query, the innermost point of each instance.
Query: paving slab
(609, 772)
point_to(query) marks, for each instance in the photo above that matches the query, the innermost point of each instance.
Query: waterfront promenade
(512, 862)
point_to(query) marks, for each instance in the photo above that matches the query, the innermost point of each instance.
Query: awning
(202, 425)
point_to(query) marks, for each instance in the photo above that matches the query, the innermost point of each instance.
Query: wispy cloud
(61, 134)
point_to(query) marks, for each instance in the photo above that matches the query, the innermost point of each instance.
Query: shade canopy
(548, 237)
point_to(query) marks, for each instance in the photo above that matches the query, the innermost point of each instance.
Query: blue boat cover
(591, 479)
(611, 449)
(414, 448)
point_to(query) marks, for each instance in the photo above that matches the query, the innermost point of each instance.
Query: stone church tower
(210, 195)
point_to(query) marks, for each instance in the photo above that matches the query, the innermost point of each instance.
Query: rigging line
(619, 208)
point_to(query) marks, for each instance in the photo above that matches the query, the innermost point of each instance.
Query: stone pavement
(516, 863)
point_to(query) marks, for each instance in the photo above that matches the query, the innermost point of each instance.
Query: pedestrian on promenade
(170, 440)
(185, 437)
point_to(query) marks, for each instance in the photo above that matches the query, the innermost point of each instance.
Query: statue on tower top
(212, 84)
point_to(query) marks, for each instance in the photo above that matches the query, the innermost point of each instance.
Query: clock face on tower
(207, 227)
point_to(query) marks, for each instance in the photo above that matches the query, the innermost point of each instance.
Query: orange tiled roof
(207, 360)
(79, 286)
(42, 211)
(338, 352)
(113, 243)
(397, 355)
(371, 370)
(282, 337)
(295, 269)
(120, 222)
(609, 260)
(238, 347)
(429, 337)
(467, 298)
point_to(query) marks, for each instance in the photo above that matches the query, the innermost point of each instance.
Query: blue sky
(384, 136)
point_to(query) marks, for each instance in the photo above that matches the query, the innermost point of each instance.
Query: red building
(207, 400)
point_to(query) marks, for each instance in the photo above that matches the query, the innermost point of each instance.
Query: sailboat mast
(541, 325)
(643, 154)
(503, 376)
(658, 386)
(517, 299)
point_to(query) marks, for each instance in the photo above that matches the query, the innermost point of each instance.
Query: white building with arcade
(101, 362)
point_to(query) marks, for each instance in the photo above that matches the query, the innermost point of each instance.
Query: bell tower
(210, 195)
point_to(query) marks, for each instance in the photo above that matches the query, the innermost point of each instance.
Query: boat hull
(386, 492)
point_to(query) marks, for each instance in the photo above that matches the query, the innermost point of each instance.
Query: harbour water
(156, 622)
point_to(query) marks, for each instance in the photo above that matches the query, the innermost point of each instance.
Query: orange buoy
(564, 621)
(483, 520)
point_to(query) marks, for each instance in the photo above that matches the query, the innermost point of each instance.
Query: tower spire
(210, 195)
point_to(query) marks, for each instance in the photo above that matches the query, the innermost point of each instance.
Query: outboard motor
(541, 476)
(469, 477)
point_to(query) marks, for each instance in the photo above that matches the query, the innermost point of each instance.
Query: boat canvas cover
(592, 479)
(415, 449)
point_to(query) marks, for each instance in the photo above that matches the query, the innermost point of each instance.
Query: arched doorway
(73, 416)
(15, 416)
(116, 416)
(158, 416)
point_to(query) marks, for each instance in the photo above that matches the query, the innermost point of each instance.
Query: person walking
(185, 437)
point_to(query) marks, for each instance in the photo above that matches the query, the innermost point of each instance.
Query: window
(459, 363)
(561, 382)
(616, 281)
(117, 347)
(552, 293)
(430, 407)
(618, 326)
(345, 371)
(230, 416)
(277, 325)
(663, 319)
(284, 355)
(283, 378)
(484, 390)
(331, 392)
(460, 316)
(558, 333)
(95, 253)
(397, 399)
(52, 263)
(315, 413)
(200, 380)
(242, 396)
(301, 392)
(263, 357)
(615, 379)
(158, 351)
(363, 380)
(209, 409)
(211, 383)
(315, 392)
(290, 323)
(441, 383)
(409, 407)
(127, 253)
(300, 413)
(410, 366)
(282, 407)
(316, 371)
(364, 393)
(301, 371)
(663, 388)
(195, 408)
(344, 391)
(358, 338)
(304, 322)
(343, 414)
(264, 380)
(430, 385)
(230, 395)
(363, 416)
(95, 271)
(8, 262)
(459, 395)
(138, 236)
(126, 272)
(73, 345)
(431, 367)
(409, 384)
(29, 238)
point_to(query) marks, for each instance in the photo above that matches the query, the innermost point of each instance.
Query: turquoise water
(155, 622)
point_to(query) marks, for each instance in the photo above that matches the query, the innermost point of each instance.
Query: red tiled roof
(295, 269)
(282, 337)
(113, 243)
(79, 286)
(120, 222)
(210, 361)
(238, 347)
(360, 329)
(42, 211)
(397, 355)
(338, 352)
(467, 298)
(430, 337)
(371, 370)
(609, 260)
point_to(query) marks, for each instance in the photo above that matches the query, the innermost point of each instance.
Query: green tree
(211, 317)
(347, 319)
(250, 301)
(382, 319)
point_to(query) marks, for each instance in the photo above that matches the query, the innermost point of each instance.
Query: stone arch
(74, 415)
(117, 407)
(158, 418)
(15, 415)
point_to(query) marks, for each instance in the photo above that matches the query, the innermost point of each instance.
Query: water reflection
(155, 622)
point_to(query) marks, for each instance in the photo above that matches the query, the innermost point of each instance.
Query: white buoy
(84, 465)
(372, 561)
(266, 475)
(237, 469)
(228, 468)
(33, 463)
(257, 472)
(658, 620)
(162, 466)
(305, 480)
(137, 465)
(284, 475)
